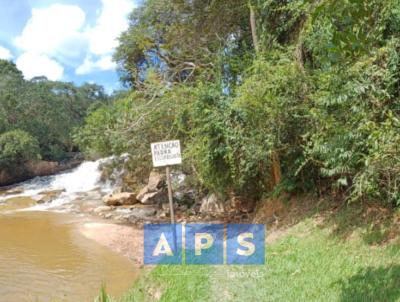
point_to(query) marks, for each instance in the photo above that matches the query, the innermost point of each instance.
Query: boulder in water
(120, 199)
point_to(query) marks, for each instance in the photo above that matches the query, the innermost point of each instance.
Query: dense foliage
(16, 147)
(266, 96)
(38, 116)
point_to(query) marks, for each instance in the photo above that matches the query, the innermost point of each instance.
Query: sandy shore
(123, 239)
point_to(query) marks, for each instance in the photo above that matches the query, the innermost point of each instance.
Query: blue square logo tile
(204, 243)
(245, 244)
(162, 244)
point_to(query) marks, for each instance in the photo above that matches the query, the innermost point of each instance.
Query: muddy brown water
(43, 257)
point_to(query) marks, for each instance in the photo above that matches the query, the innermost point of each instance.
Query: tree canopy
(266, 96)
(37, 117)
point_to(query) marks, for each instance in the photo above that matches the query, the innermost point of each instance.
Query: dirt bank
(123, 239)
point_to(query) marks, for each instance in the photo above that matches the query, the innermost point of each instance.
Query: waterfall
(82, 179)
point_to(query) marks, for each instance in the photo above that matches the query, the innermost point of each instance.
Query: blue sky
(66, 40)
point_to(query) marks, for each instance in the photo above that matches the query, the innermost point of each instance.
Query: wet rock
(91, 195)
(48, 196)
(102, 209)
(118, 171)
(12, 191)
(212, 205)
(120, 199)
(108, 216)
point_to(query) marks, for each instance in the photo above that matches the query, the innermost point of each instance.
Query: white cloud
(102, 64)
(58, 34)
(52, 34)
(5, 53)
(111, 22)
(55, 30)
(103, 37)
(33, 64)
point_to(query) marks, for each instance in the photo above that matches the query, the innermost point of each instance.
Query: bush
(17, 147)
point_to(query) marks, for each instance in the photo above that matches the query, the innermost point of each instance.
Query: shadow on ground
(372, 284)
(375, 223)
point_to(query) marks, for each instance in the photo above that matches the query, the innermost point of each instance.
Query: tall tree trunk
(276, 168)
(276, 173)
(253, 27)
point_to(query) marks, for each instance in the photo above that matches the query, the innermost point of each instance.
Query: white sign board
(166, 153)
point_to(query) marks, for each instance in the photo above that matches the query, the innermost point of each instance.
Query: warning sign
(166, 153)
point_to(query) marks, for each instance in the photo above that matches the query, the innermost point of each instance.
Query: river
(43, 255)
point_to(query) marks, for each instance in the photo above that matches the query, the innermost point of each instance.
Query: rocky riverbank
(85, 190)
(113, 212)
(150, 203)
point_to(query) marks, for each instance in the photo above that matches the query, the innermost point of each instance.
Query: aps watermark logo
(207, 244)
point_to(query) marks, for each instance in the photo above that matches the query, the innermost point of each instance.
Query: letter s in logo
(250, 247)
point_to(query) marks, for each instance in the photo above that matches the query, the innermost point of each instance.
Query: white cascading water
(84, 178)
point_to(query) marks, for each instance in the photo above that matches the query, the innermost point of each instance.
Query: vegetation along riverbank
(287, 114)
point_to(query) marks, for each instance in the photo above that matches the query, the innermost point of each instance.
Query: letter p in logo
(204, 243)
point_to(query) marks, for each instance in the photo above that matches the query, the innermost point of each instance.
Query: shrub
(17, 147)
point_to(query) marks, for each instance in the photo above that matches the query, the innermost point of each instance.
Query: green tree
(17, 147)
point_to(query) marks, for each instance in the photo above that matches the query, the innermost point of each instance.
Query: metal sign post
(166, 154)
(171, 202)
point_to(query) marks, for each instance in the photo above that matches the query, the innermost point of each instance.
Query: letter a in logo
(162, 244)
(162, 247)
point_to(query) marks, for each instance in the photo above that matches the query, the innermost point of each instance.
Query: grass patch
(171, 283)
(345, 257)
(316, 267)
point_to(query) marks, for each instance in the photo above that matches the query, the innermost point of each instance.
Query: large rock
(154, 192)
(147, 197)
(120, 199)
(212, 205)
(157, 181)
